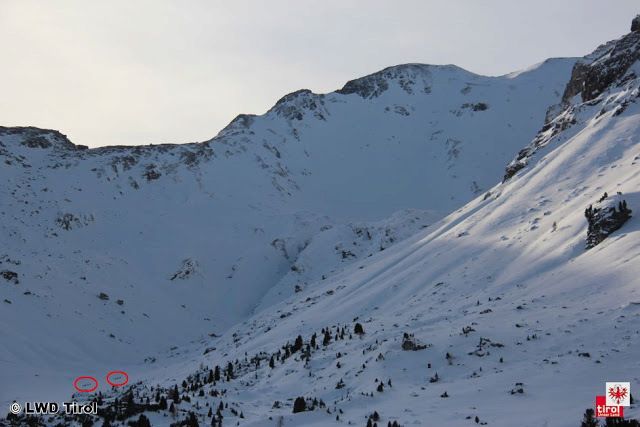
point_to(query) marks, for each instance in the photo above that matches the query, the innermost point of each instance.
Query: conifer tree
(299, 405)
(175, 394)
(230, 370)
(588, 419)
(192, 421)
(327, 338)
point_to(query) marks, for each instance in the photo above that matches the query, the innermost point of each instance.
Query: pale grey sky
(153, 71)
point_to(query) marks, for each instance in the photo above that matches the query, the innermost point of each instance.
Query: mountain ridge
(391, 73)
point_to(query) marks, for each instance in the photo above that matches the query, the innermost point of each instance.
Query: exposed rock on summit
(408, 76)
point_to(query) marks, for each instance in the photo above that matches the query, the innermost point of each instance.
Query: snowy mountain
(273, 252)
(187, 240)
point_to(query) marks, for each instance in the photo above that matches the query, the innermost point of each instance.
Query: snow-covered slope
(122, 253)
(522, 324)
(274, 232)
(497, 314)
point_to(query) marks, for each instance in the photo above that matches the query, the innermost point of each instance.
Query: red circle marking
(85, 390)
(120, 384)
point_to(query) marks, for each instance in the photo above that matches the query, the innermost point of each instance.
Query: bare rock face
(605, 217)
(609, 65)
(576, 82)
(635, 24)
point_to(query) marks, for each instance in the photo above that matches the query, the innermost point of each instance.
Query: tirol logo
(618, 393)
(603, 410)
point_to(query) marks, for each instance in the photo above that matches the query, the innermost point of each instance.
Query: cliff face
(592, 77)
(608, 76)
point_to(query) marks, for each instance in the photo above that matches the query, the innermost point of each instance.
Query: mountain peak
(33, 137)
(406, 75)
(293, 105)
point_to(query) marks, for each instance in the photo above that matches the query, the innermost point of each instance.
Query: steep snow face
(123, 253)
(498, 311)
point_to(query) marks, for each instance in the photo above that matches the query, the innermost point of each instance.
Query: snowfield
(380, 205)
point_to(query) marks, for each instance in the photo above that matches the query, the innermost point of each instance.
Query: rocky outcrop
(10, 276)
(612, 66)
(33, 137)
(576, 82)
(188, 269)
(151, 173)
(549, 130)
(635, 24)
(607, 67)
(409, 77)
(239, 125)
(410, 343)
(294, 105)
(68, 221)
(370, 86)
(604, 217)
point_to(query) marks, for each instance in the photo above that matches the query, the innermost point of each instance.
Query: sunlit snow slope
(522, 325)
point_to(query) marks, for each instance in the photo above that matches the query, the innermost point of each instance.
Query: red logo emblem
(618, 394)
(605, 411)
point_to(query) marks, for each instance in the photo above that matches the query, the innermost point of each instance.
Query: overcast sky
(139, 72)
